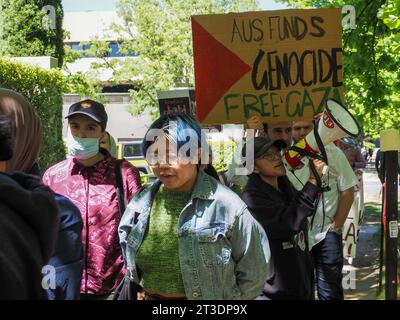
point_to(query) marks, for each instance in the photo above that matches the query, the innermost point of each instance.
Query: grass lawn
(372, 209)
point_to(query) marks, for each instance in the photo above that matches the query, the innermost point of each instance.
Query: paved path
(361, 277)
(364, 270)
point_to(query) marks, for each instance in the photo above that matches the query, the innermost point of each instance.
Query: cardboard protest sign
(350, 228)
(280, 65)
(177, 101)
(352, 223)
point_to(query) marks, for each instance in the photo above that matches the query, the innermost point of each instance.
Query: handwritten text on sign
(280, 65)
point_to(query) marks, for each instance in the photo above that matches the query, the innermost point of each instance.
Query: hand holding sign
(255, 123)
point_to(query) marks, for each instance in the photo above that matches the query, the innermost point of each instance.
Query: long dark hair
(6, 138)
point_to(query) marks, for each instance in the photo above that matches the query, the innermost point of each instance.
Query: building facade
(83, 27)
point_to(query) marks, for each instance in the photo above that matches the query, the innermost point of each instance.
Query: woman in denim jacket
(187, 236)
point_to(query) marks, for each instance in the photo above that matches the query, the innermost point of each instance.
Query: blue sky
(84, 5)
(271, 5)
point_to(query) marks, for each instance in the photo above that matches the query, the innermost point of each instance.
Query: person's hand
(317, 116)
(319, 166)
(254, 123)
(141, 295)
(335, 228)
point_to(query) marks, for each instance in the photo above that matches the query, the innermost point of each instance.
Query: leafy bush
(23, 31)
(44, 90)
(222, 153)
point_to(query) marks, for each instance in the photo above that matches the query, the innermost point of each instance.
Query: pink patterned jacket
(93, 191)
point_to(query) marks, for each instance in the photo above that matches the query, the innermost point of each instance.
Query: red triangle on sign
(217, 69)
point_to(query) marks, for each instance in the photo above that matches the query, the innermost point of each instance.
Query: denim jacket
(223, 251)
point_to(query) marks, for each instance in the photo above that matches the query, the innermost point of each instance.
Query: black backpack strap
(120, 187)
(321, 146)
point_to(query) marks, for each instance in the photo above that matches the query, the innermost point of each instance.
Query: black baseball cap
(90, 108)
(262, 145)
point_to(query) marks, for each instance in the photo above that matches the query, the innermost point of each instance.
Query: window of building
(78, 47)
(117, 88)
(114, 50)
(132, 150)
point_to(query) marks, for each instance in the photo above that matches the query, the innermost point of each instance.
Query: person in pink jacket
(88, 178)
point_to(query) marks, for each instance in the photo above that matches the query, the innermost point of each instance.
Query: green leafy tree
(390, 14)
(25, 30)
(371, 61)
(85, 84)
(159, 32)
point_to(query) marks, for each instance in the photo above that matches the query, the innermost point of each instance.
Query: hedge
(44, 89)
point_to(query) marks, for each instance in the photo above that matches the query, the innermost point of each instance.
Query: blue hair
(179, 128)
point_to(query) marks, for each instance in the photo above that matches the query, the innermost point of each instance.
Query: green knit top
(158, 256)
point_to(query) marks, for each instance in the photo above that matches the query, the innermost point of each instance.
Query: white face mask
(82, 148)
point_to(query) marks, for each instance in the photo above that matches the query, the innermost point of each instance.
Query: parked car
(131, 151)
